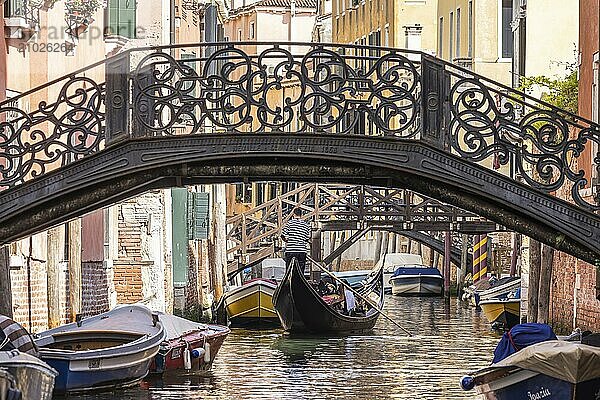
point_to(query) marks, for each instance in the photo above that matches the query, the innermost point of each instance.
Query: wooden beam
(74, 268)
(6, 307)
(544, 289)
(344, 246)
(535, 260)
(56, 240)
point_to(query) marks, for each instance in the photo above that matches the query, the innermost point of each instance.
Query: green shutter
(201, 215)
(122, 17)
(179, 198)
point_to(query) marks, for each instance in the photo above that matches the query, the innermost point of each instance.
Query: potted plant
(43, 5)
(79, 15)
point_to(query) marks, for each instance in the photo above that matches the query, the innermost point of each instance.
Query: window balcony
(20, 22)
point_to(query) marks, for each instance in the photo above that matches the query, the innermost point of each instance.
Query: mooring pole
(515, 254)
(447, 245)
(460, 276)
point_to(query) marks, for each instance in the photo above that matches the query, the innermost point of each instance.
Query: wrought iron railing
(41, 136)
(298, 88)
(525, 138)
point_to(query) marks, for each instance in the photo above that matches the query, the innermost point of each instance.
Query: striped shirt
(14, 337)
(296, 234)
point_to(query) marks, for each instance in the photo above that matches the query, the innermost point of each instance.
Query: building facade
(477, 34)
(408, 24)
(575, 286)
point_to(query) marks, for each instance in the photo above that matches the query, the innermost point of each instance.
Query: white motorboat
(417, 280)
(25, 377)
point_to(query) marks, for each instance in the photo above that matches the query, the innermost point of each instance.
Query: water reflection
(449, 340)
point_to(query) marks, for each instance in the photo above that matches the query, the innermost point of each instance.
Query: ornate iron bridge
(255, 234)
(168, 116)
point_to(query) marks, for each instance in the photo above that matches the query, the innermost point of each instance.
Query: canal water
(449, 340)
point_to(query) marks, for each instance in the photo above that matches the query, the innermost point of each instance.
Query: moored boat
(548, 370)
(491, 288)
(25, 377)
(391, 261)
(189, 346)
(417, 280)
(301, 308)
(107, 351)
(502, 313)
(251, 304)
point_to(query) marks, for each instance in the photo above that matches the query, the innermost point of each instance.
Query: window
(386, 36)
(441, 38)
(251, 30)
(14, 8)
(457, 55)
(451, 27)
(470, 44)
(506, 34)
(121, 17)
(239, 35)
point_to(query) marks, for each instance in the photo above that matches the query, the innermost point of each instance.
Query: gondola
(301, 308)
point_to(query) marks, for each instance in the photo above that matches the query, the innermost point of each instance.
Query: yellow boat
(502, 313)
(251, 303)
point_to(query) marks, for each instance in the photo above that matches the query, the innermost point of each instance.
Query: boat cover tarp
(571, 362)
(521, 336)
(420, 270)
(176, 326)
(396, 259)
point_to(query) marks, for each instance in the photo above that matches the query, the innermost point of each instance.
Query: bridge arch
(297, 111)
(135, 166)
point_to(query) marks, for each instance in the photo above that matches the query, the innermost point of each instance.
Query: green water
(449, 341)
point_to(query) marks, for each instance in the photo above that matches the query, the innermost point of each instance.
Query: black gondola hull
(301, 309)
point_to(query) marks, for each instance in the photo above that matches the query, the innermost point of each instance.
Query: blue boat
(549, 369)
(417, 280)
(104, 352)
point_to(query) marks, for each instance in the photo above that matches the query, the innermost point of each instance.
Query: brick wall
(39, 299)
(573, 292)
(573, 300)
(128, 281)
(94, 290)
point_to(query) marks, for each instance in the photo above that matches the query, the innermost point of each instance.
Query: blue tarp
(521, 336)
(416, 271)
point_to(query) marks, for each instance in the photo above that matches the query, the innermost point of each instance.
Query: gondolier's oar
(322, 268)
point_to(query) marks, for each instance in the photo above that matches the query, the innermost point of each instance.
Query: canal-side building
(575, 284)
(322, 29)
(408, 24)
(44, 41)
(477, 35)
(121, 254)
(555, 55)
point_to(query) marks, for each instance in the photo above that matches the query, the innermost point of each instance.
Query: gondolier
(296, 235)
(14, 337)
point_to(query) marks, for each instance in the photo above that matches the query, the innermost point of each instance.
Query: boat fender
(197, 353)
(206, 352)
(187, 359)
(467, 382)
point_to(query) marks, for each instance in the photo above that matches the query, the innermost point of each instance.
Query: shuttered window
(198, 215)
(122, 18)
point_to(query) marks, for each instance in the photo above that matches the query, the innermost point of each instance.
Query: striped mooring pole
(480, 253)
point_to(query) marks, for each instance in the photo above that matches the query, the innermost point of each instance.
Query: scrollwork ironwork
(53, 135)
(533, 141)
(319, 90)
